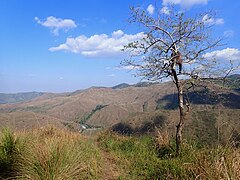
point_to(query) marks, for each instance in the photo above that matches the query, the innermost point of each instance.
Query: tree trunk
(182, 118)
(182, 114)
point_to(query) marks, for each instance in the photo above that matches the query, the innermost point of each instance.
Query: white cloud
(219, 21)
(55, 24)
(98, 45)
(185, 3)
(150, 9)
(225, 54)
(211, 21)
(228, 33)
(130, 67)
(224, 61)
(117, 34)
(165, 10)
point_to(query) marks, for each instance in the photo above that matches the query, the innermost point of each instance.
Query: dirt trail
(111, 170)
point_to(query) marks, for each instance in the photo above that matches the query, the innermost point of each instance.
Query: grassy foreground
(51, 153)
(48, 153)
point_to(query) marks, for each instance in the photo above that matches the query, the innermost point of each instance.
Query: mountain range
(127, 108)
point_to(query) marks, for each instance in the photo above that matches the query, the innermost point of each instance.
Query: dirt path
(111, 170)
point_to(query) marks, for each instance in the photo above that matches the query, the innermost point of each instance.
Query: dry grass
(162, 138)
(59, 154)
(52, 153)
(221, 163)
(153, 158)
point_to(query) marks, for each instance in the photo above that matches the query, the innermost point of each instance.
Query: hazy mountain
(120, 86)
(18, 97)
(234, 76)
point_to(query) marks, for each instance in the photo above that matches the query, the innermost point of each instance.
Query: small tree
(173, 46)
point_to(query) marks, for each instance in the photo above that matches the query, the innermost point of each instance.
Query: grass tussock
(11, 149)
(51, 153)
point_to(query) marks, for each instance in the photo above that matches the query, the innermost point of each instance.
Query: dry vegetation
(154, 158)
(53, 153)
(48, 153)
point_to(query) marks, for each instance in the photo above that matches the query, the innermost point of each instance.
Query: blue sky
(65, 45)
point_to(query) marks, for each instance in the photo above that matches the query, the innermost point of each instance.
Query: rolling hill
(133, 108)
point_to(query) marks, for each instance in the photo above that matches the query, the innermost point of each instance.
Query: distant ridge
(232, 82)
(121, 86)
(19, 97)
(140, 84)
(144, 84)
(234, 76)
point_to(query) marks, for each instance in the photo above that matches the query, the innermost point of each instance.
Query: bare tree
(173, 46)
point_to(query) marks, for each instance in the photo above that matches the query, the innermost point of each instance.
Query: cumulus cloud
(150, 9)
(225, 54)
(56, 24)
(117, 34)
(101, 45)
(185, 3)
(165, 10)
(211, 21)
(226, 60)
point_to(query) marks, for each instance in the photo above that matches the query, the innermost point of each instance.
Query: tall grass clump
(11, 149)
(215, 163)
(60, 154)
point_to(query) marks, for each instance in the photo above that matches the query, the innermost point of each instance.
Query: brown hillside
(116, 105)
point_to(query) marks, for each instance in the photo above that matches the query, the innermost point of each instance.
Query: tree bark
(181, 111)
(182, 118)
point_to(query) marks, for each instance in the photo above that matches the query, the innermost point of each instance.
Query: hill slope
(106, 107)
